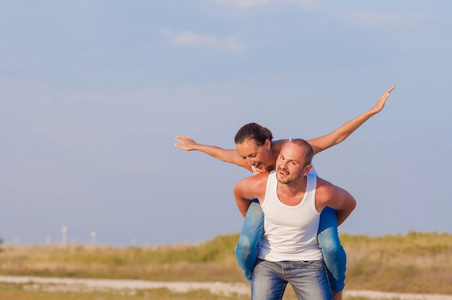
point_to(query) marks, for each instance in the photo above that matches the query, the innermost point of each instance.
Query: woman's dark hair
(253, 131)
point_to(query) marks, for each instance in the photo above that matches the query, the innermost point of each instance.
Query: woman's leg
(250, 237)
(333, 253)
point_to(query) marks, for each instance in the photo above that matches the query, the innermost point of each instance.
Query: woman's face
(261, 157)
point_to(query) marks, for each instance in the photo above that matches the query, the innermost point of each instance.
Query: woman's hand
(227, 155)
(324, 142)
(381, 102)
(186, 143)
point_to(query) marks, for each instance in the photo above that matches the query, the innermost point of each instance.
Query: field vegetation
(23, 292)
(414, 263)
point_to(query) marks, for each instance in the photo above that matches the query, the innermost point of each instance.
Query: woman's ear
(268, 144)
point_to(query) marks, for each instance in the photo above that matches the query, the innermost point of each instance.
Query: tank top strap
(311, 182)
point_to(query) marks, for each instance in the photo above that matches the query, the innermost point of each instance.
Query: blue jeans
(250, 237)
(309, 280)
(333, 253)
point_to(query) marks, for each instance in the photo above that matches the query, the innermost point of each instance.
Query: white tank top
(255, 171)
(290, 231)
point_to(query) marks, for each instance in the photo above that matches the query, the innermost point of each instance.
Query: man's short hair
(307, 147)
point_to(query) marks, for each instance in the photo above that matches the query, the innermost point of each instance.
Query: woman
(256, 152)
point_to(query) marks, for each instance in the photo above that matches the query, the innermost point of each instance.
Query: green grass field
(414, 263)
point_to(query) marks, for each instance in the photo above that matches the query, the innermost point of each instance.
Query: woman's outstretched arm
(227, 155)
(324, 142)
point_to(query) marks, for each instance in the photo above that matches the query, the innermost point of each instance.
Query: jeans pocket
(311, 264)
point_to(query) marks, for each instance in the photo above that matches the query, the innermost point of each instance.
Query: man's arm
(335, 197)
(250, 188)
(324, 142)
(226, 155)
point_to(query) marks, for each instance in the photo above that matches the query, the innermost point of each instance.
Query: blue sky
(93, 92)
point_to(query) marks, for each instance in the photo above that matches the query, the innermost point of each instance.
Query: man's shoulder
(259, 178)
(324, 189)
(252, 186)
(255, 179)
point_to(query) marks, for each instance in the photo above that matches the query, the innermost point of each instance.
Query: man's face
(258, 156)
(290, 165)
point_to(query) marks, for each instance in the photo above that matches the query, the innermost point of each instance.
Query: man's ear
(307, 169)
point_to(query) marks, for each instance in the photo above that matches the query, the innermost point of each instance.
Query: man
(292, 201)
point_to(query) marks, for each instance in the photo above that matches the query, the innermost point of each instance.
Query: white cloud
(383, 19)
(245, 3)
(307, 5)
(191, 39)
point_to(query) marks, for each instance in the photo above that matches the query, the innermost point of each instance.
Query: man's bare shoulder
(257, 179)
(325, 189)
(252, 187)
(324, 184)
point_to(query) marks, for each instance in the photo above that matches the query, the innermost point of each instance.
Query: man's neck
(290, 193)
